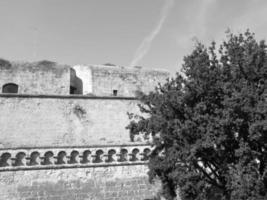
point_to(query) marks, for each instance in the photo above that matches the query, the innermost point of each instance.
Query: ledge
(73, 157)
(132, 144)
(52, 96)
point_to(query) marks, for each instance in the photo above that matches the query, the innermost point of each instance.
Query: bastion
(63, 131)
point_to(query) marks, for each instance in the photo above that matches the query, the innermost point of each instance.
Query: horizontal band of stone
(71, 96)
(69, 157)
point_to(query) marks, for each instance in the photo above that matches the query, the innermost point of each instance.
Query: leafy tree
(209, 127)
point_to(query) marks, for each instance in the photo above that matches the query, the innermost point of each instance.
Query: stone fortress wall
(36, 78)
(32, 121)
(63, 132)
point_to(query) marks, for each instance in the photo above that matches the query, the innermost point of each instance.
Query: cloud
(146, 43)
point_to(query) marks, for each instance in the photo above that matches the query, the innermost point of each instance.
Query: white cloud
(146, 43)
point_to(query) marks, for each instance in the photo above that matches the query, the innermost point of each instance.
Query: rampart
(63, 132)
(35, 120)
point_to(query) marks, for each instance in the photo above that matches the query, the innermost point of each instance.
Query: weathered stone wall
(76, 173)
(47, 77)
(101, 183)
(126, 81)
(33, 121)
(59, 146)
(37, 78)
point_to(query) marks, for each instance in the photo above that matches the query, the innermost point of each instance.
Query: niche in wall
(10, 88)
(115, 92)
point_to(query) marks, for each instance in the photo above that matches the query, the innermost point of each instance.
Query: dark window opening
(73, 90)
(10, 88)
(115, 92)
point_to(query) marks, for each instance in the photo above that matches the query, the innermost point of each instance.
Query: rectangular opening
(115, 92)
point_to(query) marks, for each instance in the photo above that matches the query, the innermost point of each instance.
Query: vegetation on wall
(4, 63)
(210, 126)
(46, 63)
(79, 111)
(109, 64)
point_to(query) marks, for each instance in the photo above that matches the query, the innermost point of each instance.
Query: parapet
(110, 80)
(50, 78)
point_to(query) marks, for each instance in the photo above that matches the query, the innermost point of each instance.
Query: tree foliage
(209, 127)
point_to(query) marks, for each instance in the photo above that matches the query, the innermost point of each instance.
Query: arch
(5, 159)
(135, 154)
(123, 155)
(10, 88)
(74, 157)
(48, 158)
(146, 154)
(20, 159)
(61, 158)
(99, 156)
(35, 158)
(86, 158)
(111, 155)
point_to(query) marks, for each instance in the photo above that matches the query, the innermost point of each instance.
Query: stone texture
(37, 78)
(48, 117)
(47, 77)
(126, 81)
(35, 121)
(102, 183)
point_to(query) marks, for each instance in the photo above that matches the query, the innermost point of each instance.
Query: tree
(209, 127)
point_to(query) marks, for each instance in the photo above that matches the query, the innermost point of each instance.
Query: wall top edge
(78, 147)
(47, 96)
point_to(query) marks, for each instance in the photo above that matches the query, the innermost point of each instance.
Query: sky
(149, 33)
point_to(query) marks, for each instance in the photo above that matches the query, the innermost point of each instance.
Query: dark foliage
(4, 63)
(210, 128)
(46, 63)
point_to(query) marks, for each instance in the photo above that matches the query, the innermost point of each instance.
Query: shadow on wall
(76, 84)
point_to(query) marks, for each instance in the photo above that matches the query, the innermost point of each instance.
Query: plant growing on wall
(47, 63)
(210, 126)
(4, 63)
(79, 111)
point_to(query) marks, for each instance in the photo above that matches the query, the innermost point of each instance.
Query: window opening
(10, 88)
(115, 92)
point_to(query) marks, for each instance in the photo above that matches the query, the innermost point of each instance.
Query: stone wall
(119, 173)
(33, 121)
(126, 81)
(102, 183)
(56, 146)
(36, 78)
(48, 78)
